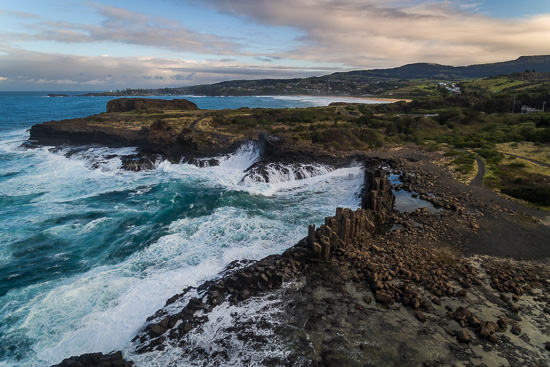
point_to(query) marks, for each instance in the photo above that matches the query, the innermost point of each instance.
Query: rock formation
(148, 104)
(96, 360)
(348, 228)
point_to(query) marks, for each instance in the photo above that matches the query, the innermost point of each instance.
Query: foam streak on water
(89, 251)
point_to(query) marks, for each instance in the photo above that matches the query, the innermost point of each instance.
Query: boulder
(383, 297)
(516, 330)
(113, 359)
(463, 336)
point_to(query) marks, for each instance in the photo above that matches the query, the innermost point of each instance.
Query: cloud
(29, 70)
(268, 58)
(330, 35)
(183, 77)
(370, 33)
(19, 14)
(133, 28)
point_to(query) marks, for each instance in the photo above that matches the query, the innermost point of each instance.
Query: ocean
(88, 251)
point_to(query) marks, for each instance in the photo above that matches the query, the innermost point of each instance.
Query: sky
(108, 45)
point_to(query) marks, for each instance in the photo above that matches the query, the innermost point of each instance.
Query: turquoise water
(88, 251)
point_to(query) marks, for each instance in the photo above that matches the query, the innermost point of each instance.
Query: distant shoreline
(109, 94)
(382, 99)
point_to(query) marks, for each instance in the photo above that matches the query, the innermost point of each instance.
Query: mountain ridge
(418, 70)
(353, 83)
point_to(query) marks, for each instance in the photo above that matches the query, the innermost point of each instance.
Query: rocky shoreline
(466, 284)
(426, 291)
(143, 123)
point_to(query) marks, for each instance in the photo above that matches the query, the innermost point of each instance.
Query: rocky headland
(176, 130)
(463, 279)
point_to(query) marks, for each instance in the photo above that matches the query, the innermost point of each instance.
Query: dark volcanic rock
(288, 151)
(148, 104)
(96, 360)
(334, 273)
(75, 132)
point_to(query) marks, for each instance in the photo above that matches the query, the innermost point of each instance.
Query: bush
(537, 195)
(491, 155)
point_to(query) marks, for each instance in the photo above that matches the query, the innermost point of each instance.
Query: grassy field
(539, 152)
(494, 85)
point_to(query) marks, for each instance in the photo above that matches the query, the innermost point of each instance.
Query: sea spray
(88, 250)
(163, 230)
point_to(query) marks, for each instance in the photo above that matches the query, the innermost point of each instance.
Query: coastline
(350, 98)
(469, 279)
(348, 294)
(381, 99)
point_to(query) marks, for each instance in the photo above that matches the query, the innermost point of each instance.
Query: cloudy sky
(103, 45)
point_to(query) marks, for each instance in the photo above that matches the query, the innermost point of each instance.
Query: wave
(276, 173)
(142, 237)
(220, 339)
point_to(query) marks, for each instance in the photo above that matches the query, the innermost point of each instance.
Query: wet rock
(155, 330)
(516, 330)
(463, 336)
(96, 360)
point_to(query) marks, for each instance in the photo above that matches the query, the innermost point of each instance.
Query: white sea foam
(103, 308)
(218, 339)
(275, 173)
(326, 100)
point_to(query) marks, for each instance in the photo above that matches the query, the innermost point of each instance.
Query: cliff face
(148, 104)
(78, 131)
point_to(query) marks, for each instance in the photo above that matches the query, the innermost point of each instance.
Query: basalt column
(347, 228)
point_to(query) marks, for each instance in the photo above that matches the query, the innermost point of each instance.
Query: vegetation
(464, 119)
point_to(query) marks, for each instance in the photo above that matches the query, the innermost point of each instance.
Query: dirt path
(193, 125)
(529, 159)
(478, 180)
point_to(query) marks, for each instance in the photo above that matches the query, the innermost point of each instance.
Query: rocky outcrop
(378, 196)
(286, 150)
(428, 297)
(344, 231)
(153, 136)
(149, 104)
(79, 132)
(164, 139)
(349, 228)
(96, 360)
(174, 130)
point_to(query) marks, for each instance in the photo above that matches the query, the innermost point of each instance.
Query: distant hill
(433, 71)
(370, 82)
(377, 82)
